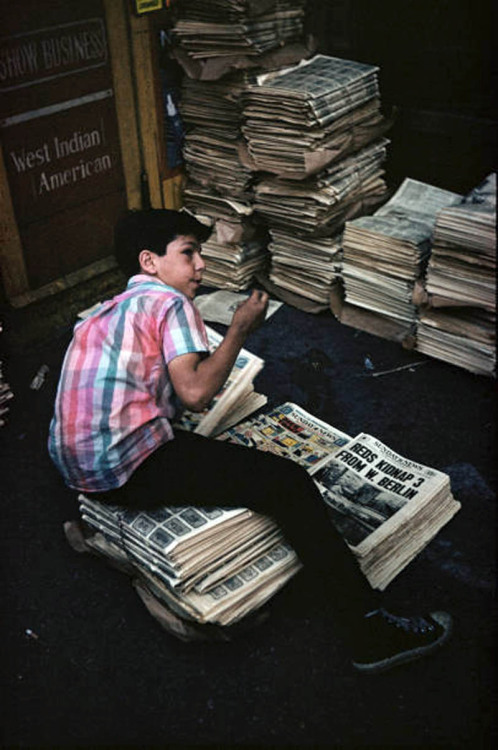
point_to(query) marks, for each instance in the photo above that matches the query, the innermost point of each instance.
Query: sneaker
(388, 640)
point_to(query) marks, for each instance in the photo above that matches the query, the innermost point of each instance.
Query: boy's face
(181, 267)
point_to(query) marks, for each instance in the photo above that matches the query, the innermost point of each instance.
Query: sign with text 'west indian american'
(59, 135)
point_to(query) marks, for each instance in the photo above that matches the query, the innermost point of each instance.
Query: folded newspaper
(218, 566)
(386, 507)
(236, 399)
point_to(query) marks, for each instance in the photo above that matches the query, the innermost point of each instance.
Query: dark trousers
(194, 470)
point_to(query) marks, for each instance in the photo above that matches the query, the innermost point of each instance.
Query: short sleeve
(183, 330)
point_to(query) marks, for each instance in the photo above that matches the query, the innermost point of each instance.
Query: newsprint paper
(236, 399)
(386, 507)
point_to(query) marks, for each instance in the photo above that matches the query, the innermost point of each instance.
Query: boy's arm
(197, 380)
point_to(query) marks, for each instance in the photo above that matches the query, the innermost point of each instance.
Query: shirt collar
(150, 282)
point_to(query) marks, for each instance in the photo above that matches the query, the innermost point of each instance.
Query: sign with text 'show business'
(59, 136)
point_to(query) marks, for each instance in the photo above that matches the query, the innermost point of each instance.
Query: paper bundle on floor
(233, 265)
(309, 267)
(457, 323)
(384, 254)
(220, 306)
(214, 565)
(207, 564)
(387, 507)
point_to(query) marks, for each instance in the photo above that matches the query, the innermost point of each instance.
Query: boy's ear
(147, 262)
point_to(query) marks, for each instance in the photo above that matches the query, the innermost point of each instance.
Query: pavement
(84, 664)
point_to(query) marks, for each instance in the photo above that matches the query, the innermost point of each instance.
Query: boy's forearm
(213, 371)
(196, 380)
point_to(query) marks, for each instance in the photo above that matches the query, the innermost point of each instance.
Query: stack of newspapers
(237, 247)
(314, 133)
(384, 254)
(229, 28)
(308, 267)
(211, 111)
(219, 182)
(236, 399)
(210, 565)
(302, 118)
(319, 205)
(218, 187)
(458, 321)
(231, 265)
(386, 507)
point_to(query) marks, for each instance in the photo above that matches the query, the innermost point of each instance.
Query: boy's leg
(193, 470)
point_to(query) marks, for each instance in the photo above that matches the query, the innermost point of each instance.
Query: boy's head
(152, 230)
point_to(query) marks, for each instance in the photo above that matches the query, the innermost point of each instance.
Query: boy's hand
(251, 313)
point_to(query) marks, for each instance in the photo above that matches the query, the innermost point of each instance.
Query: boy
(128, 370)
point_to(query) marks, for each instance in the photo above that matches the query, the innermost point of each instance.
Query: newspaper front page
(385, 506)
(289, 431)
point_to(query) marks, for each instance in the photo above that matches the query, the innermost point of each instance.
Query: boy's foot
(388, 640)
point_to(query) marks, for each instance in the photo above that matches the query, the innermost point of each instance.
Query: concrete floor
(85, 665)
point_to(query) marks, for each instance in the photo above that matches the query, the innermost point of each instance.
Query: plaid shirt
(115, 401)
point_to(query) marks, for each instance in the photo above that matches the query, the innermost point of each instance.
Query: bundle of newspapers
(236, 399)
(237, 248)
(319, 205)
(212, 112)
(458, 321)
(386, 507)
(384, 254)
(218, 184)
(308, 267)
(300, 119)
(212, 565)
(313, 132)
(232, 265)
(227, 28)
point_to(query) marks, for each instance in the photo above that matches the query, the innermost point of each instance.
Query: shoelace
(416, 625)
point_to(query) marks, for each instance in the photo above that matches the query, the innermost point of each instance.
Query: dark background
(97, 670)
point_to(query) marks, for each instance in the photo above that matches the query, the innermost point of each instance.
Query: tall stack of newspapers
(219, 44)
(457, 323)
(313, 132)
(217, 566)
(385, 254)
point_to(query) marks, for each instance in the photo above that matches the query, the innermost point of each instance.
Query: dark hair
(152, 229)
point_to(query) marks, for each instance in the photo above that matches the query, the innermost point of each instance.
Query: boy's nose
(199, 262)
